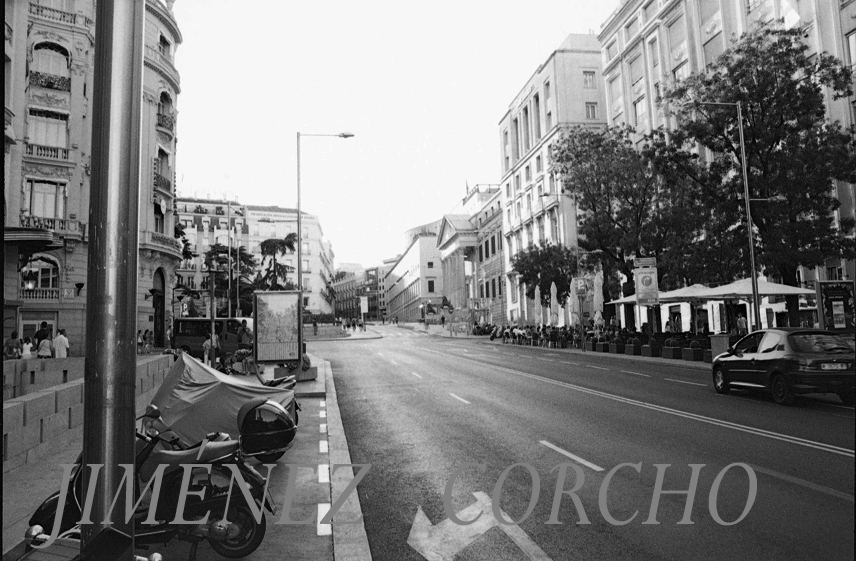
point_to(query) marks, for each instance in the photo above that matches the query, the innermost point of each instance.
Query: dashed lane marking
(322, 427)
(635, 373)
(322, 447)
(459, 398)
(684, 382)
(322, 414)
(323, 473)
(323, 529)
(415, 374)
(597, 367)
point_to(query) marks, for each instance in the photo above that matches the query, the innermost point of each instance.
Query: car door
(741, 369)
(770, 351)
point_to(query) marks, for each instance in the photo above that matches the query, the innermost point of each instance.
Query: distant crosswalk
(392, 334)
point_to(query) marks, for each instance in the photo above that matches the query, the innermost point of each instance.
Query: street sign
(364, 304)
(643, 262)
(647, 289)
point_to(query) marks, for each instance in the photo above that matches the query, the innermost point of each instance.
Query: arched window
(50, 58)
(165, 104)
(41, 273)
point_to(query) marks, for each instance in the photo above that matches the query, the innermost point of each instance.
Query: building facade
(647, 44)
(347, 302)
(50, 49)
(564, 91)
(415, 280)
(490, 264)
(207, 222)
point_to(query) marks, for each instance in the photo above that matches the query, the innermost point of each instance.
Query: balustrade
(44, 80)
(39, 294)
(62, 226)
(61, 16)
(166, 121)
(52, 152)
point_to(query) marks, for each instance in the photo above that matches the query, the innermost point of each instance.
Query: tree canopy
(274, 275)
(541, 266)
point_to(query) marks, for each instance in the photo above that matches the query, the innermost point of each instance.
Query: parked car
(788, 362)
(190, 333)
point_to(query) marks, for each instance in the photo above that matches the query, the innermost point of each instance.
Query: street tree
(179, 234)
(274, 275)
(244, 266)
(793, 154)
(541, 266)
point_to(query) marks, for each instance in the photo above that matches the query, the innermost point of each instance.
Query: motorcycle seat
(175, 458)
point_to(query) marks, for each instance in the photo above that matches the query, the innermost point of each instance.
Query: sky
(422, 86)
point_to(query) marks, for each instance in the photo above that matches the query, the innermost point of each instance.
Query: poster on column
(647, 289)
(275, 320)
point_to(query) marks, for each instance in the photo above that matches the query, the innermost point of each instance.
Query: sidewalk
(484, 339)
(369, 333)
(26, 487)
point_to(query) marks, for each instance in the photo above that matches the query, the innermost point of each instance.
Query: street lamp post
(300, 247)
(756, 305)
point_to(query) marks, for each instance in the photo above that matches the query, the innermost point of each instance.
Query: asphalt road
(418, 408)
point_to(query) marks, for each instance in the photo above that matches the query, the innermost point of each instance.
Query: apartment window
(713, 48)
(526, 144)
(546, 90)
(528, 173)
(588, 80)
(517, 183)
(508, 189)
(554, 226)
(481, 290)
(549, 120)
(47, 273)
(654, 54)
(499, 286)
(45, 199)
(305, 302)
(538, 165)
(536, 106)
(649, 10)
(681, 72)
(636, 71)
(616, 99)
(159, 219)
(513, 281)
(529, 203)
(632, 28)
(49, 58)
(508, 212)
(164, 46)
(552, 181)
(640, 113)
(430, 264)
(305, 247)
(47, 128)
(430, 286)
(306, 264)
(591, 111)
(307, 283)
(833, 273)
(515, 140)
(677, 43)
(481, 256)
(851, 48)
(486, 249)
(708, 9)
(493, 245)
(519, 210)
(611, 50)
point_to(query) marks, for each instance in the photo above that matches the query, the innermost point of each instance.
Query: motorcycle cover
(195, 400)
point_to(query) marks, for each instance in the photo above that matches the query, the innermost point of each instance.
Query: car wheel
(782, 393)
(848, 398)
(720, 384)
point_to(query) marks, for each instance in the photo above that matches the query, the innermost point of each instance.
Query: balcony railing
(61, 226)
(53, 14)
(44, 80)
(166, 121)
(39, 294)
(162, 239)
(52, 152)
(163, 183)
(164, 60)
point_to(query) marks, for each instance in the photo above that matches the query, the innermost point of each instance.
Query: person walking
(139, 341)
(245, 336)
(741, 325)
(169, 339)
(45, 348)
(60, 345)
(41, 334)
(12, 348)
(27, 348)
(315, 327)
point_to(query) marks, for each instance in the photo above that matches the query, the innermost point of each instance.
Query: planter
(650, 350)
(692, 354)
(616, 348)
(602, 347)
(634, 350)
(590, 346)
(673, 353)
(707, 356)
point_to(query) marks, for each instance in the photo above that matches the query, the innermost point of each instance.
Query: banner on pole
(647, 290)
(364, 304)
(276, 328)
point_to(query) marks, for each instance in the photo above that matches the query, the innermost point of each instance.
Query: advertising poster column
(277, 334)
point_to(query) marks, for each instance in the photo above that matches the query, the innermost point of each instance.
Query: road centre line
(635, 373)
(597, 367)
(323, 473)
(544, 359)
(415, 374)
(685, 382)
(322, 403)
(588, 464)
(322, 414)
(569, 362)
(323, 529)
(392, 361)
(323, 447)
(678, 413)
(803, 483)
(322, 427)
(459, 398)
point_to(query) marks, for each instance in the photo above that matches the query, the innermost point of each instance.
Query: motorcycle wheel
(251, 536)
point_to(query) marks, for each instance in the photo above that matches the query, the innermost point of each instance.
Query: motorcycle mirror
(152, 412)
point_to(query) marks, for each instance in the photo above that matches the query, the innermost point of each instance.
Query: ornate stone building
(48, 95)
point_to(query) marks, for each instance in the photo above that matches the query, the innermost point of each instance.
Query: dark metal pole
(111, 305)
(299, 267)
(212, 351)
(756, 304)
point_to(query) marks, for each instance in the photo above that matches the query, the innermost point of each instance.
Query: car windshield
(819, 343)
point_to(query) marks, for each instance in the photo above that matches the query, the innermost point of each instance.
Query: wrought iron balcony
(45, 80)
(62, 226)
(163, 183)
(166, 121)
(52, 152)
(160, 242)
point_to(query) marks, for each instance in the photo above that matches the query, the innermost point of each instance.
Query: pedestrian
(245, 336)
(60, 345)
(315, 327)
(146, 349)
(43, 333)
(45, 348)
(206, 351)
(360, 324)
(741, 325)
(12, 348)
(139, 341)
(27, 348)
(169, 340)
(353, 325)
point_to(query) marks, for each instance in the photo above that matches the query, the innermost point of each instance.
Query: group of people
(352, 324)
(145, 341)
(41, 345)
(534, 335)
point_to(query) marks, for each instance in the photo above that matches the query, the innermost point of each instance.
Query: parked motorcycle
(234, 533)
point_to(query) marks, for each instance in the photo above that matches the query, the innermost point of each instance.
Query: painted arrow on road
(443, 541)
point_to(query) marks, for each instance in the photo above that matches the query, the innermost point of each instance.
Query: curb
(350, 542)
(346, 339)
